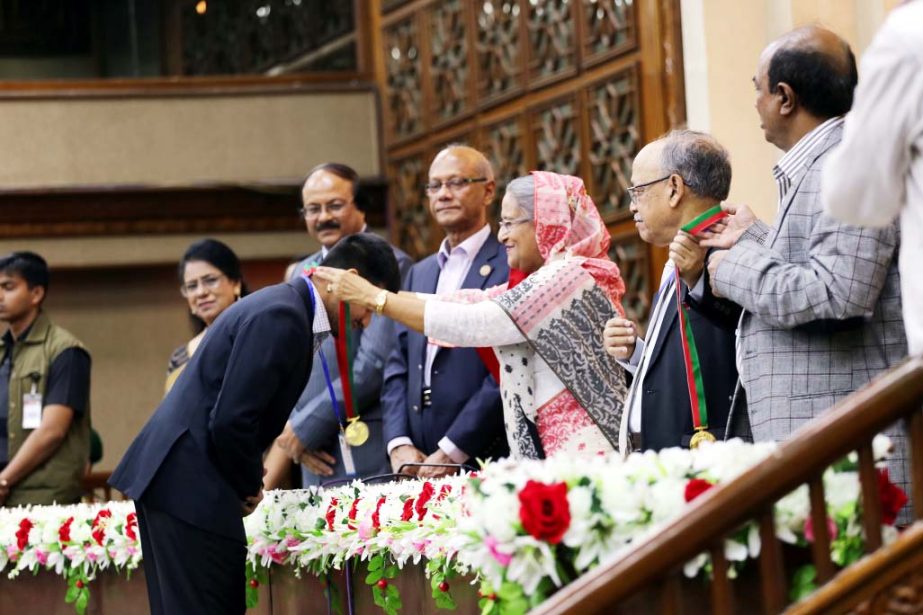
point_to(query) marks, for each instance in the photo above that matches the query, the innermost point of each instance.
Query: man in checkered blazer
(821, 299)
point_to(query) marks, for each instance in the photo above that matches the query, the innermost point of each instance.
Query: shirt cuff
(448, 447)
(697, 292)
(631, 365)
(396, 442)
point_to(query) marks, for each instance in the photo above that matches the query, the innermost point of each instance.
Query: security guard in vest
(44, 393)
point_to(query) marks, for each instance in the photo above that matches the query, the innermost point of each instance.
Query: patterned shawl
(561, 310)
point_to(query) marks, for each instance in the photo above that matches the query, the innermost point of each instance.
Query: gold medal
(700, 436)
(357, 432)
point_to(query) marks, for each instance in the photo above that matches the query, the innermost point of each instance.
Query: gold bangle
(380, 300)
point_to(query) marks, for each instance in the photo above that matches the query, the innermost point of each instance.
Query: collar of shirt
(321, 325)
(324, 249)
(797, 159)
(9, 342)
(468, 248)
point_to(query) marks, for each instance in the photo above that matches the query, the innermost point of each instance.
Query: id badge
(347, 454)
(31, 410)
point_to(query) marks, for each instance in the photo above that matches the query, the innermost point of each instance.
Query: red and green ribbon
(694, 227)
(344, 361)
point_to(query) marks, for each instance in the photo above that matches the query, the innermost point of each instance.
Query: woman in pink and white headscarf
(562, 393)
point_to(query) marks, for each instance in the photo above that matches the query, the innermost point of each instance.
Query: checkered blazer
(822, 306)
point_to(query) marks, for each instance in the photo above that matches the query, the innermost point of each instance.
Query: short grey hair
(700, 160)
(523, 190)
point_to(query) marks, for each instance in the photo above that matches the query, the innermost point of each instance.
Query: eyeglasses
(634, 191)
(454, 185)
(313, 210)
(505, 226)
(208, 282)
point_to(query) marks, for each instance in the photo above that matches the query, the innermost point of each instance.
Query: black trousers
(188, 569)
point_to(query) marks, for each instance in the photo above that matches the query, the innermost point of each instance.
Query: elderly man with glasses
(676, 179)
(441, 405)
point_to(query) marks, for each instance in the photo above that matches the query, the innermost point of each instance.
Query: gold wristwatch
(380, 300)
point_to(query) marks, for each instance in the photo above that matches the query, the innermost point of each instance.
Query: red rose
(425, 494)
(22, 534)
(99, 525)
(331, 513)
(544, 510)
(64, 532)
(696, 487)
(892, 497)
(376, 516)
(407, 515)
(131, 523)
(352, 513)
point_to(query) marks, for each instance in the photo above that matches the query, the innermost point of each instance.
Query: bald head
(817, 65)
(466, 156)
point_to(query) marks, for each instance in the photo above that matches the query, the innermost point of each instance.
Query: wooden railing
(849, 426)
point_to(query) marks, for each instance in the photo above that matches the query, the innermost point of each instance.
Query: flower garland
(523, 529)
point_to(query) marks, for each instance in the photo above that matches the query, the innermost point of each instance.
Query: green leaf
(373, 577)
(71, 594)
(82, 599)
(378, 597)
(487, 606)
(803, 584)
(445, 601)
(509, 591)
(376, 562)
(519, 606)
(391, 571)
(393, 591)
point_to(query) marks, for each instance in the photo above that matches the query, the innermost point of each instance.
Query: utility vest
(58, 478)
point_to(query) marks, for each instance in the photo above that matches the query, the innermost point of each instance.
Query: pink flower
(367, 528)
(42, 557)
(502, 558)
(291, 541)
(809, 529)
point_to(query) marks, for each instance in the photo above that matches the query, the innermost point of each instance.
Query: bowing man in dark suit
(196, 467)
(441, 405)
(676, 178)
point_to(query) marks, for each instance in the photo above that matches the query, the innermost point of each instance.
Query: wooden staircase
(887, 580)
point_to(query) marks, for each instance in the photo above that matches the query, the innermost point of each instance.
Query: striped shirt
(797, 159)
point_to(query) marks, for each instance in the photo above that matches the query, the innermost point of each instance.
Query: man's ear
(788, 100)
(353, 270)
(677, 190)
(37, 295)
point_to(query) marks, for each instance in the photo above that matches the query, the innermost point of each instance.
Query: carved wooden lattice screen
(573, 86)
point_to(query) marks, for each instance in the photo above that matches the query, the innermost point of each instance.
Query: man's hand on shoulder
(727, 232)
(406, 453)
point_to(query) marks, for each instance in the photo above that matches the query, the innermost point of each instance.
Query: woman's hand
(346, 285)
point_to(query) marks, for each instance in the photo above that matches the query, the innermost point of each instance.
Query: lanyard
(344, 362)
(693, 366)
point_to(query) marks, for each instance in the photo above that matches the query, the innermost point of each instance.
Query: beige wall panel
(184, 140)
(735, 34)
(82, 252)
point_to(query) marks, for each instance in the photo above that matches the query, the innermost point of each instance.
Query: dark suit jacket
(200, 454)
(666, 415)
(313, 418)
(466, 400)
